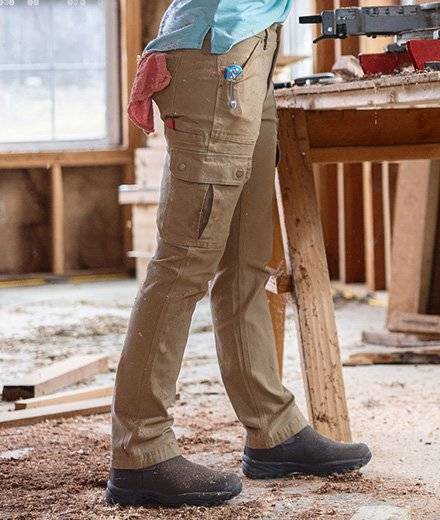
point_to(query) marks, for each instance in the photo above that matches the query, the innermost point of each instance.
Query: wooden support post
(374, 227)
(351, 229)
(277, 302)
(305, 255)
(389, 181)
(326, 178)
(417, 203)
(58, 256)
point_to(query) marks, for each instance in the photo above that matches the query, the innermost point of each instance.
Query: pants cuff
(140, 460)
(271, 438)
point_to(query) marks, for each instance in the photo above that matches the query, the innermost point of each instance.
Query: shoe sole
(256, 469)
(129, 497)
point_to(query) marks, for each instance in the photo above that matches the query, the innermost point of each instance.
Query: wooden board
(374, 226)
(414, 323)
(305, 256)
(56, 376)
(65, 397)
(420, 356)
(350, 222)
(400, 339)
(36, 415)
(402, 89)
(417, 203)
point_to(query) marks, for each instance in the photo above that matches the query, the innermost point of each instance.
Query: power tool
(416, 29)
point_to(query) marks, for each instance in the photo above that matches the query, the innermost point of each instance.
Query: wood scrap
(52, 378)
(82, 394)
(399, 339)
(35, 415)
(413, 322)
(348, 67)
(419, 356)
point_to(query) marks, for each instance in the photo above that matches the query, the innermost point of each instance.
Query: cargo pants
(214, 232)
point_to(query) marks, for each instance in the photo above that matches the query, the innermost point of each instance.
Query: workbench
(390, 118)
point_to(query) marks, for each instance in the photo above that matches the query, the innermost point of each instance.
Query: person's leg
(279, 441)
(243, 328)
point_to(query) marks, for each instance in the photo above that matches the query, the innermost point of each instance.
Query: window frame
(113, 72)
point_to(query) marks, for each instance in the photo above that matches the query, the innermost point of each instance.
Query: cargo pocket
(241, 125)
(198, 197)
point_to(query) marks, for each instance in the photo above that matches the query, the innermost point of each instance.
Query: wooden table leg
(305, 255)
(277, 302)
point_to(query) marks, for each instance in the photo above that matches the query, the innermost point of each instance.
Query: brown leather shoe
(175, 482)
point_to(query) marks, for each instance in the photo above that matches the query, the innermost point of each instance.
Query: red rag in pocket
(152, 76)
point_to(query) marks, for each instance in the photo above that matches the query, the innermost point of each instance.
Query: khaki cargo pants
(215, 229)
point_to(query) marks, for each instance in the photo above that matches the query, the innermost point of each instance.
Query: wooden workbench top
(406, 89)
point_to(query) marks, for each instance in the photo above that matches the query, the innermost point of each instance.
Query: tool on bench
(416, 29)
(313, 79)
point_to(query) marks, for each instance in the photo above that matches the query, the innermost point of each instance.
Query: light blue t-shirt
(186, 22)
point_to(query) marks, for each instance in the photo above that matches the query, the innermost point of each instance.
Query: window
(59, 74)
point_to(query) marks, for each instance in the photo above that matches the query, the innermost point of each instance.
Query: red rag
(152, 76)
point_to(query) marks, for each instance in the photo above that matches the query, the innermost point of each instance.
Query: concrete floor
(395, 409)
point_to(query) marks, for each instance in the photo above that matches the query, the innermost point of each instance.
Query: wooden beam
(414, 323)
(61, 411)
(392, 153)
(386, 91)
(400, 339)
(305, 255)
(350, 221)
(19, 160)
(398, 126)
(57, 220)
(52, 378)
(417, 203)
(324, 55)
(389, 182)
(131, 46)
(420, 356)
(374, 227)
(73, 396)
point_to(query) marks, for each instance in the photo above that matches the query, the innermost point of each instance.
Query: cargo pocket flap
(209, 168)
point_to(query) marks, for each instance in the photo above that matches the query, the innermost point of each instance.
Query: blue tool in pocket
(231, 74)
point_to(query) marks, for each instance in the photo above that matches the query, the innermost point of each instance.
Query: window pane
(26, 108)
(55, 84)
(80, 105)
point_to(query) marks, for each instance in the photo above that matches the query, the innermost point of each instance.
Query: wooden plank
(60, 374)
(389, 182)
(135, 194)
(324, 55)
(420, 356)
(374, 227)
(398, 126)
(399, 339)
(131, 46)
(72, 396)
(414, 235)
(60, 411)
(350, 222)
(57, 220)
(305, 256)
(413, 322)
(385, 91)
(434, 296)
(354, 154)
(14, 160)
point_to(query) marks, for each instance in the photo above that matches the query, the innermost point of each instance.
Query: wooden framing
(122, 156)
